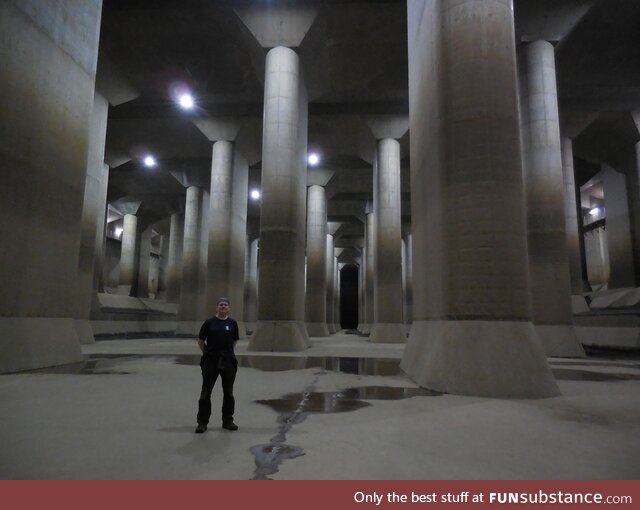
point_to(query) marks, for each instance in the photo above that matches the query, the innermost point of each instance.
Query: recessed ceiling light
(595, 211)
(313, 159)
(255, 194)
(186, 101)
(150, 161)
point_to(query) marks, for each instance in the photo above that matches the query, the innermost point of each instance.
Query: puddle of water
(101, 366)
(357, 366)
(294, 408)
(564, 374)
(350, 399)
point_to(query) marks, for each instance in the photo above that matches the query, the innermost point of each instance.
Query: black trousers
(212, 366)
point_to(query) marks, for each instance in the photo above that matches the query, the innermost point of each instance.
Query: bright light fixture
(150, 161)
(255, 194)
(595, 211)
(186, 101)
(313, 159)
(118, 231)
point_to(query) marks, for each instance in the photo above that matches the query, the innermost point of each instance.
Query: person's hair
(224, 300)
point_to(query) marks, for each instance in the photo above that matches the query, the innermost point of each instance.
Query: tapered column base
(84, 332)
(36, 342)
(388, 332)
(479, 358)
(560, 341)
(317, 329)
(279, 336)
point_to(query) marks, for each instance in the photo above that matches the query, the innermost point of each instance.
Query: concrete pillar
(280, 324)
(316, 290)
(336, 296)
(251, 286)
(144, 262)
(93, 215)
(407, 263)
(162, 268)
(369, 271)
(618, 231)
(128, 254)
(361, 292)
(191, 311)
(472, 332)
(174, 262)
(227, 230)
(579, 284)
(388, 326)
(331, 282)
(544, 184)
(47, 88)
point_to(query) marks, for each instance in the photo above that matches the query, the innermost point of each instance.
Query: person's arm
(201, 336)
(236, 333)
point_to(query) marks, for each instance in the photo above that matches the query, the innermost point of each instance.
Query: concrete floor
(128, 412)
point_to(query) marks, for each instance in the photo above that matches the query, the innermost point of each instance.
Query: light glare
(150, 161)
(255, 194)
(313, 159)
(186, 101)
(595, 211)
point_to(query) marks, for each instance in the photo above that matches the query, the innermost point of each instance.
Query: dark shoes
(229, 425)
(201, 428)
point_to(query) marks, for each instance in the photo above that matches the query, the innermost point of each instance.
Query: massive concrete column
(227, 230)
(128, 253)
(93, 214)
(336, 296)
(251, 286)
(47, 87)
(330, 286)
(369, 270)
(316, 290)
(407, 262)
(618, 229)
(544, 183)
(161, 292)
(191, 311)
(472, 332)
(388, 325)
(280, 324)
(144, 262)
(361, 291)
(174, 262)
(578, 284)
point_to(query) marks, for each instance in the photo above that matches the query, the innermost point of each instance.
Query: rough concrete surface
(133, 417)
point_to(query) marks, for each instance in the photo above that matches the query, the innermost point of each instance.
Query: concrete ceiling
(354, 57)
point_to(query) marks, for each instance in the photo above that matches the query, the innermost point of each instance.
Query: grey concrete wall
(48, 54)
(472, 331)
(618, 229)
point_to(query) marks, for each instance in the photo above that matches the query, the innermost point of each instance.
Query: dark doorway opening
(349, 297)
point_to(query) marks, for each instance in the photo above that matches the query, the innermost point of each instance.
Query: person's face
(223, 308)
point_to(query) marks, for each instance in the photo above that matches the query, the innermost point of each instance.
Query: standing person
(216, 340)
